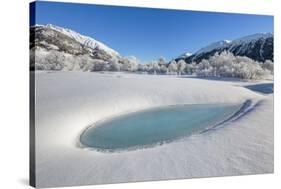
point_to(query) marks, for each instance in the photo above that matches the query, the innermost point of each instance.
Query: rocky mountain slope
(258, 47)
(50, 37)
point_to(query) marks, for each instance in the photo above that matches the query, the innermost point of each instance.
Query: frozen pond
(155, 126)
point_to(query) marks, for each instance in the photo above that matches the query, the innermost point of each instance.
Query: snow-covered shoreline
(68, 102)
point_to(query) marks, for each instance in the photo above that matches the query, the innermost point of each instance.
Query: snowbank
(68, 102)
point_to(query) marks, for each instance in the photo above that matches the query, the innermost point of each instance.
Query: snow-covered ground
(68, 102)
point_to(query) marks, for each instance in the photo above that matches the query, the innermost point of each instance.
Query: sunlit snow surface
(83, 40)
(69, 102)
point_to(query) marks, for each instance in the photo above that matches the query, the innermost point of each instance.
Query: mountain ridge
(50, 37)
(83, 39)
(257, 46)
(49, 40)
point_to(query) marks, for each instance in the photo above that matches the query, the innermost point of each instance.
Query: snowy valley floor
(68, 102)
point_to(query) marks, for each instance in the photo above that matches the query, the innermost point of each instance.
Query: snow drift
(77, 100)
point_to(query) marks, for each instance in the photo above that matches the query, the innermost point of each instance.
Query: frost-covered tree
(114, 64)
(143, 67)
(163, 69)
(150, 68)
(190, 68)
(173, 68)
(161, 61)
(268, 65)
(204, 68)
(181, 66)
(223, 64)
(48, 60)
(86, 63)
(226, 64)
(155, 67)
(100, 65)
(130, 63)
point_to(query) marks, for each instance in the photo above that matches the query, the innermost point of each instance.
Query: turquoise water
(154, 126)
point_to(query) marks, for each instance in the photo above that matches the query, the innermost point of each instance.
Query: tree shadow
(213, 78)
(266, 88)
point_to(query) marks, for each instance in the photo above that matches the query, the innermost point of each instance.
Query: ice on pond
(155, 126)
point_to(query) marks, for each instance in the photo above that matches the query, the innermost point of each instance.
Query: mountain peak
(257, 46)
(185, 55)
(253, 37)
(82, 39)
(212, 46)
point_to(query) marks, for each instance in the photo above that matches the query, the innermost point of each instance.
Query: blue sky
(151, 33)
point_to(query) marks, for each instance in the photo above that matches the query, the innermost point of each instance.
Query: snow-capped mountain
(50, 37)
(216, 45)
(185, 55)
(258, 47)
(83, 40)
(57, 48)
